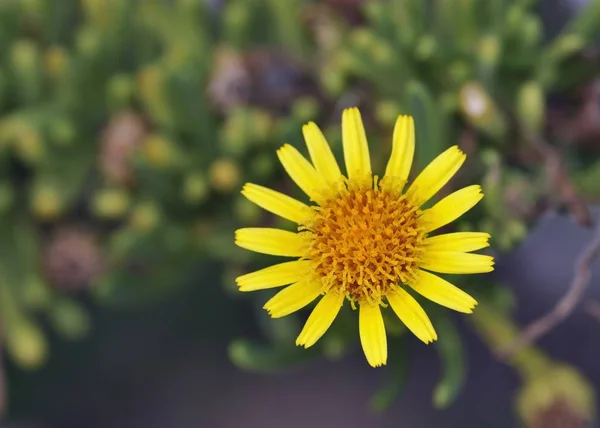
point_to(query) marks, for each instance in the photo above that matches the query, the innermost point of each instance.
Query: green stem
(497, 330)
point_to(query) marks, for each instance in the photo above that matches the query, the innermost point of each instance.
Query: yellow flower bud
(562, 386)
(158, 151)
(26, 344)
(332, 77)
(29, 145)
(475, 102)
(150, 83)
(36, 294)
(100, 11)
(110, 203)
(195, 188)
(89, 41)
(362, 38)
(32, 7)
(381, 52)
(46, 202)
(56, 62)
(263, 122)
(145, 216)
(24, 56)
(480, 110)
(387, 112)
(224, 175)
(489, 50)
(530, 106)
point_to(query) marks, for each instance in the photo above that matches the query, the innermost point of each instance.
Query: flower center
(365, 241)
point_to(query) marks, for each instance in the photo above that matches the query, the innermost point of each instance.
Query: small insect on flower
(365, 240)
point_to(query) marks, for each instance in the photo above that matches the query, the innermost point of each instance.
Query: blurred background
(127, 128)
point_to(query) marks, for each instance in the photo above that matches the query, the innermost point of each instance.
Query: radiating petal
(458, 241)
(320, 153)
(294, 297)
(372, 334)
(412, 315)
(320, 319)
(302, 172)
(451, 207)
(274, 276)
(277, 203)
(271, 241)
(435, 175)
(443, 293)
(403, 150)
(455, 262)
(356, 149)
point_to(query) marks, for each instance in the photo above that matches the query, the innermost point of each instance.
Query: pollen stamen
(364, 240)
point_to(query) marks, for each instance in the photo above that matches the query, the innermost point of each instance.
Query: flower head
(364, 240)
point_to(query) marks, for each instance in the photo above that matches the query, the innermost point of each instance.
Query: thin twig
(559, 180)
(565, 305)
(593, 308)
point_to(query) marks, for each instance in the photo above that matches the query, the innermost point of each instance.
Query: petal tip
(376, 364)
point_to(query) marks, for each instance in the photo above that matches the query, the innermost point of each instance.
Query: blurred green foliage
(128, 127)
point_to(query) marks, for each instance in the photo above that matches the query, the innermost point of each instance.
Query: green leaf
(254, 357)
(450, 351)
(587, 22)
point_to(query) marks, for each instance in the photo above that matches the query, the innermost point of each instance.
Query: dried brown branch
(593, 308)
(558, 178)
(565, 305)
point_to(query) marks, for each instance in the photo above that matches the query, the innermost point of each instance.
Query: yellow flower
(366, 240)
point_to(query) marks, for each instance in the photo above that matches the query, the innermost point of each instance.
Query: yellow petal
(277, 203)
(320, 319)
(320, 153)
(293, 297)
(459, 241)
(435, 175)
(274, 276)
(412, 315)
(403, 150)
(302, 172)
(451, 207)
(455, 262)
(372, 334)
(271, 241)
(443, 293)
(356, 149)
